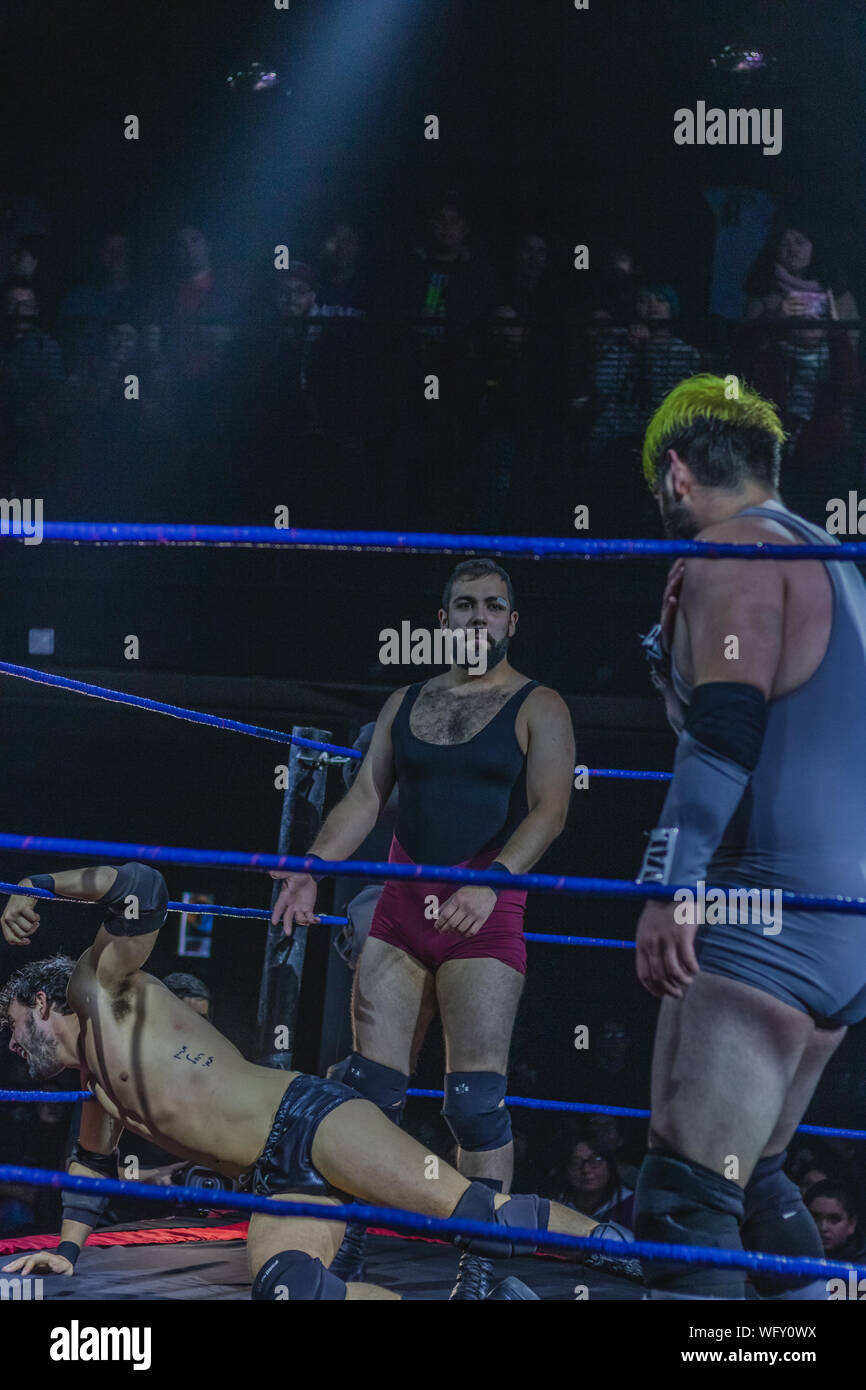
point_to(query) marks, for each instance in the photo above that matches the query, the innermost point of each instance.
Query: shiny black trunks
(286, 1162)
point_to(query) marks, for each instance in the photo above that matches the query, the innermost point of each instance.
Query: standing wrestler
(484, 768)
(766, 682)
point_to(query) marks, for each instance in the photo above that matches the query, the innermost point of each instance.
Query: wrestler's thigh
(388, 997)
(268, 1235)
(478, 1001)
(358, 1150)
(817, 1053)
(725, 1057)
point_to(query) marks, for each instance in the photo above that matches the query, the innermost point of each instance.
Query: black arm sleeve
(717, 752)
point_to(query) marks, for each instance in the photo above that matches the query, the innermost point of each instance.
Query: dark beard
(678, 522)
(41, 1055)
(496, 652)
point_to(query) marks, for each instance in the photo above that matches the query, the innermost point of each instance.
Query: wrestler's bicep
(550, 752)
(377, 773)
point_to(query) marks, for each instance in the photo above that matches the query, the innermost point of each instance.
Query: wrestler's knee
(292, 1275)
(384, 1086)
(475, 1111)
(777, 1221)
(681, 1202)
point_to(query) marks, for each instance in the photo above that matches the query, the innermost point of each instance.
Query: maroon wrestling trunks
(400, 920)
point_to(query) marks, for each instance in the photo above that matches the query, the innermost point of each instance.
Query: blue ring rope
(553, 547)
(263, 914)
(364, 868)
(237, 726)
(399, 1219)
(192, 716)
(519, 1102)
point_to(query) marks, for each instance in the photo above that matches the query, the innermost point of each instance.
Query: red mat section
(175, 1235)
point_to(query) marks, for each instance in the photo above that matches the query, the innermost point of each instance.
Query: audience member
(633, 370)
(109, 294)
(198, 310)
(344, 289)
(587, 1177)
(31, 363)
(835, 1212)
(790, 278)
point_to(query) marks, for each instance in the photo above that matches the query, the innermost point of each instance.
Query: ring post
(279, 991)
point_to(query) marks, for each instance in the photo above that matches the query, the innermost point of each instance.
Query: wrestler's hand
(296, 901)
(666, 960)
(466, 911)
(41, 1262)
(20, 919)
(671, 602)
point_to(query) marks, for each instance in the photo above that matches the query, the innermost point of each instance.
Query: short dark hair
(837, 1192)
(50, 975)
(186, 986)
(476, 569)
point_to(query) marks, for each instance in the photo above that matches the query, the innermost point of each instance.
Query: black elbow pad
(136, 901)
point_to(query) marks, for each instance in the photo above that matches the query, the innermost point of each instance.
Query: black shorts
(286, 1162)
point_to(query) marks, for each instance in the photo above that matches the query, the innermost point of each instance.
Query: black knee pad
(384, 1086)
(475, 1111)
(777, 1220)
(525, 1210)
(294, 1276)
(679, 1202)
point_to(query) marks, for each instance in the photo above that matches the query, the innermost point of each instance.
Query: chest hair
(440, 717)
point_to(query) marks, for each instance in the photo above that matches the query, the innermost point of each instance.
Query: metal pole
(303, 802)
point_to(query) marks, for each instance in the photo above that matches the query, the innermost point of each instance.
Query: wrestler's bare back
(808, 609)
(166, 1073)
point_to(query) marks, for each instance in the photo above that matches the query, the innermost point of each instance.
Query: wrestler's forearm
(533, 836)
(88, 884)
(76, 1231)
(346, 827)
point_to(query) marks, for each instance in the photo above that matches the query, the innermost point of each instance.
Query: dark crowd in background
(308, 386)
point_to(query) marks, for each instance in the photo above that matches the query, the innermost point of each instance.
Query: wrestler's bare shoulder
(747, 530)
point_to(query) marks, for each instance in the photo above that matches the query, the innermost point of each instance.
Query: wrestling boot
(612, 1264)
(349, 1262)
(474, 1278)
(511, 1288)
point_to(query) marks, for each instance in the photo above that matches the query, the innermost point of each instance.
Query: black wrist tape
(69, 1249)
(317, 878)
(42, 881)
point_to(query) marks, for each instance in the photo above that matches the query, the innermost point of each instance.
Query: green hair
(708, 399)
